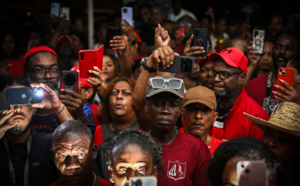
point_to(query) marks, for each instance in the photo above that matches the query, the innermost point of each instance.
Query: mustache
(18, 114)
(281, 56)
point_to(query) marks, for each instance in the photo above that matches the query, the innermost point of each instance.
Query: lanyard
(266, 103)
(11, 167)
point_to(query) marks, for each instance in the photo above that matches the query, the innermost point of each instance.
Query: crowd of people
(129, 120)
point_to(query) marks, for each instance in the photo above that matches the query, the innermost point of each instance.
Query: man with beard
(261, 89)
(24, 153)
(229, 72)
(41, 65)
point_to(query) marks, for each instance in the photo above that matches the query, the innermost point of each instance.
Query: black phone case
(4, 102)
(110, 33)
(181, 65)
(23, 96)
(200, 39)
(69, 80)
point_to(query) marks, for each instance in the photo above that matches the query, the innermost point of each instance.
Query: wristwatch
(146, 67)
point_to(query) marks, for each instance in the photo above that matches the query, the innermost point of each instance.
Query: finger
(282, 89)
(279, 96)
(38, 105)
(126, 22)
(162, 57)
(288, 86)
(8, 126)
(156, 56)
(71, 92)
(168, 56)
(171, 52)
(189, 41)
(73, 105)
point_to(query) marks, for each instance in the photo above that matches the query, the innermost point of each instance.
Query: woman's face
(8, 44)
(229, 175)
(132, 162)
(120, 100)
(108, 68)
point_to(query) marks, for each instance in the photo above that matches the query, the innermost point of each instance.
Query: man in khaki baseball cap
(199, 113)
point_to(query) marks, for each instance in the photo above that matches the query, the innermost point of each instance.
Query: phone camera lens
(70, 79)
(82, 56)
(125, 10)
(200, 42)
(281, 71)
(247, 171)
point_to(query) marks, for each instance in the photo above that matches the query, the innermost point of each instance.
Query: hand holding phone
(55, 7)
(286, 74)
(200, 39)
(110, 33)
(88, 59)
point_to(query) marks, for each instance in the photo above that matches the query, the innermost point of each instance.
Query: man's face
(73, 156)
(157, 16)
(285, 49)
(282, 144)
(163, 110)
(276, 25)
(22, 117)
(205, 74)
(198, 119)
(40, 62)
(226, 87)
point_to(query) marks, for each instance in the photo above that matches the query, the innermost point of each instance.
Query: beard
(222, 93)
(19, 130)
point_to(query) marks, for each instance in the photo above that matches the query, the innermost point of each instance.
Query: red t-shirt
(237, 124)
(256, 89)
(103, 182)
(98, 136)
(185, 161)
(214, 143)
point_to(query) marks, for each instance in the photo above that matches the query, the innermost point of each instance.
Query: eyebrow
(123, 90)
(43, 67)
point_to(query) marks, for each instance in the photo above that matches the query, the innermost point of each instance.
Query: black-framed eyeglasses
(41, 72)
(206, 70)
(223, 74)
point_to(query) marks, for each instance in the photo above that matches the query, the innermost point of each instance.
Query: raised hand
(3, 117)
(193, 51)
(161, 37)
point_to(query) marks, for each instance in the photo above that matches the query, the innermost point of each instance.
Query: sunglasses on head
(160, 82)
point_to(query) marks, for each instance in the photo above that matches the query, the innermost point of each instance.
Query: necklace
(93, 182)
(222, 117)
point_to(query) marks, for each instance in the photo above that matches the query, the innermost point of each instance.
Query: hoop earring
(112, 180)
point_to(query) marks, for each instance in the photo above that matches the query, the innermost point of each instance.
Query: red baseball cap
(83, 81)
(35, 50)
(233, 57)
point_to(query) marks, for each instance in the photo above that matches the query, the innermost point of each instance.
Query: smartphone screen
(126, 13)
(65, 12)
(286, 74)
(24, 95)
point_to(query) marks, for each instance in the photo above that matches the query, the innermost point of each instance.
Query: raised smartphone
(65, 11)
(110, 33)
(252, 173)
(200, 39)
(258, 41)
(24, 95)
(69, 80)
(88, 59)
(143, 181)
(286, 74)
(181, 65)
(126, 13)
(54, 9)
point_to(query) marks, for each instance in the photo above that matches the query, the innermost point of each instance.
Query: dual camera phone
(88, 59)
(286, 74)
(258, 41)
(252, 173)
(181, 65)
(24, 95)
(126, 14)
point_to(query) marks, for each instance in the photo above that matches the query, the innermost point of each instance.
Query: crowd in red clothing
(132, 117)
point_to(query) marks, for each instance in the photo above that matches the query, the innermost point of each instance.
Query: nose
(47, 75)
(72, 162)
(199, 114)
(165, 109)
(131, 173)
(120, 95)
(17, 108)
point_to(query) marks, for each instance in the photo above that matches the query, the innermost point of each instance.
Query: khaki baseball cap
(200, 94)
(151, 91)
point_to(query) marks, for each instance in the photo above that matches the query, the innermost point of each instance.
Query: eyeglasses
(160, 82)
(41, 72)
(206, 70)
(223, 74)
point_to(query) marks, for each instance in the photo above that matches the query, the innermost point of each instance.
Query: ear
(155, 170)
(216, 114)
(242, 78)
(94, 151)
(111, 174)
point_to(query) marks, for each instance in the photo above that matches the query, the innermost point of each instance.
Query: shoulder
(257, 81)
(190, 140)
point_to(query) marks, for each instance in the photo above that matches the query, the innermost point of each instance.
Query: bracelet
(61, 110)
(146, 67)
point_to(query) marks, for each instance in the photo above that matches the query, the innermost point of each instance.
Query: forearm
(63, 114)
(53, 40)
(127, 62)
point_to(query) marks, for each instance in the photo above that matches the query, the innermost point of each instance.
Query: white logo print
(24, 96)
(176, 170)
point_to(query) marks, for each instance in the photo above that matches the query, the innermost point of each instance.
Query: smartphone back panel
(126, 13)
(286, 74)
(24, 96)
